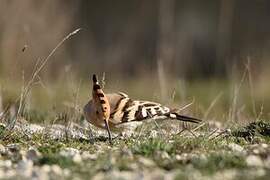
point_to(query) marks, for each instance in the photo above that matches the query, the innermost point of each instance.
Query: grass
(259, 128)
(181, 153)
(148, 147)
(170, 153)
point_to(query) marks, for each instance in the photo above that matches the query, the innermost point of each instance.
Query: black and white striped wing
(134, 110)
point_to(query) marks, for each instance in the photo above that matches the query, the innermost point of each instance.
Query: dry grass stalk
(233, 109)
(35, 75)
(215, 100)
(186, 106)
(103, 80)
(162, 80)
(1, 102)
(251, 86)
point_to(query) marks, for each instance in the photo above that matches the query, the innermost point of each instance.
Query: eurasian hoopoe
(100, 110)
(109, 110)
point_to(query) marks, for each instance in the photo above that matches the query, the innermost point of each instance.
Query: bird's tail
(97, 90)
(95, 81)
(177, 116)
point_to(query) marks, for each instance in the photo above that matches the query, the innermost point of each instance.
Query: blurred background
(214, 53)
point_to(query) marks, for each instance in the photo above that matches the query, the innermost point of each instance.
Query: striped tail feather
(182, 117)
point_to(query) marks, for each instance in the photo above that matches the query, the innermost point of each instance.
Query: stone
(66, 172)
(146, 162)
(154, 133)
(13, 148)
(32, 154)
(56, 170)
(162, 155)
(264, 145)
(256, 151)
(254, 161)
(39, 174)
(87, 156)
(5, 163)
(2, 149)
(25, 168)
(267, 162)
(236, 148)
(10, 173)
(46, 168)
(69, 152)
(77, 158)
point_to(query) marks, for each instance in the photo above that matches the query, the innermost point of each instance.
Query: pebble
(267, 162)
(264, 145)
(77, 158)
(256, 151)
(25, 168)
(146, 162)
(236, 148)
(46, 168)
(32, 154)
(225, 174)
(178, 157)
(66, 172)
(86, 155)
(157, 174)
(56, 170)
(39, 174)
(5, 163)
(123, 175)
(254, 161)
(154, 133)
(126, 152)
(260, 172)
(69, 152)
(162, 155)
(13, 148)
(2, 149)
(10, 173)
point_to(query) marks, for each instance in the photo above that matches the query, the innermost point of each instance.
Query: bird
(107, 111)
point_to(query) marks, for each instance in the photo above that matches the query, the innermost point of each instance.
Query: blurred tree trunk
(1, 100)
(165, 43)
(224, 34)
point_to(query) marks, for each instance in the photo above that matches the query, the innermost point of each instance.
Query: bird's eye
(105, 107)
(96, 112)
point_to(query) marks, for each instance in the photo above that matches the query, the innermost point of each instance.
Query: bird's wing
(124, 109)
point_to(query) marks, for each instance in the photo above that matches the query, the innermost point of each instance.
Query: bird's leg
(108, 130)
(91, 135)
